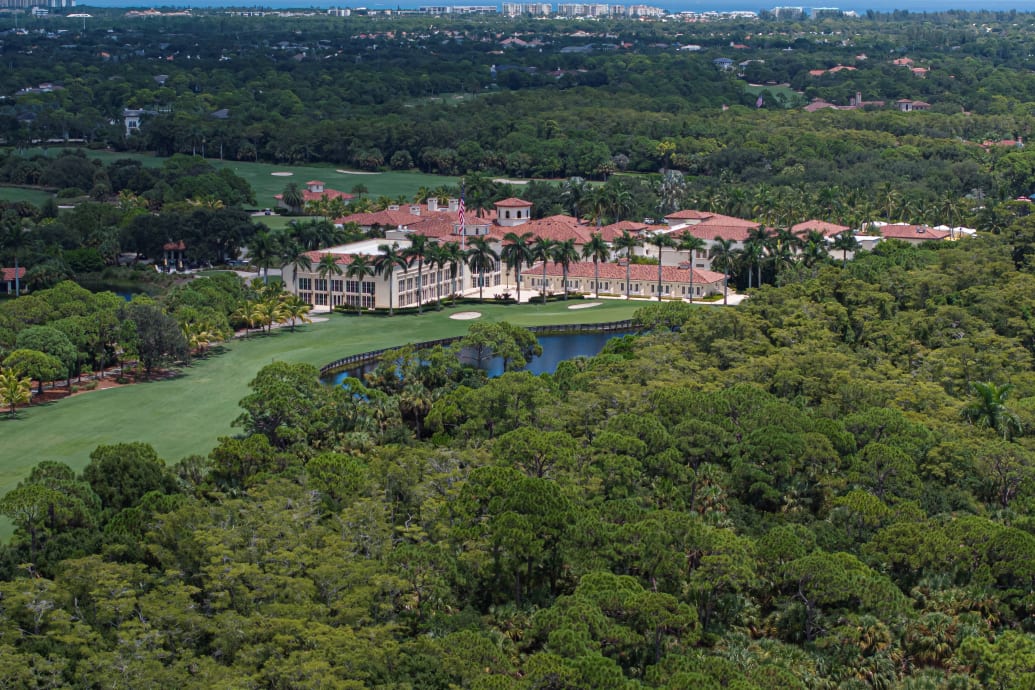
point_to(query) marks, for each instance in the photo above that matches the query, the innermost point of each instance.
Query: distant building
(792, 13)
(533, 9)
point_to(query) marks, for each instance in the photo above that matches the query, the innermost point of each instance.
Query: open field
(266, 185)
(187, 414)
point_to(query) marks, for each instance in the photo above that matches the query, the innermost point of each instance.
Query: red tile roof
(709, 231)
(828, 229)
(614, 230)
(308, 196)
(689, 214)
(512, 202)
(614, 271)
(559, 228)
(174, 246)
(902, 231)
(8, 274)
(384, 218)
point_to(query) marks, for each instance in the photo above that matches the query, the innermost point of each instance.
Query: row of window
(606, 286)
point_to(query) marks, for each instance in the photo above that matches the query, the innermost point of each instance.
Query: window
(321, 285)
(506, 214)
(351, 286)
(336, 286)
(305, 284)
(368, 287)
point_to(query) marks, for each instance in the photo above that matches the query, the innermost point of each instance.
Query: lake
(556, 349)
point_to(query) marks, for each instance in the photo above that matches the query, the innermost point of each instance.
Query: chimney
(393, 207)
(415, 210)
(432, 204)
(454, 205)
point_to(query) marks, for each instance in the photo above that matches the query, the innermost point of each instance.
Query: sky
(672, 5)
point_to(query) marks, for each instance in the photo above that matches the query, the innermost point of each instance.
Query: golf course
(187, 413)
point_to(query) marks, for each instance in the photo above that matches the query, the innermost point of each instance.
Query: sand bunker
(465, 315)
(356, 172)
(587, 305)
(282, 174)
(503, 180)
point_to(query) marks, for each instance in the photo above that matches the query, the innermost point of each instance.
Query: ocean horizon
(858, 6)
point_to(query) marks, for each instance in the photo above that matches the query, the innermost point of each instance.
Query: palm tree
(481, 257)
(325, 268)
(417, 252)
(781, 247)
(813, 248)
(263, 250)
(14, 390)
(293, 197)
(724, 255)
(661, 240)
(565, 254)
(295, 256)
(574, 191)
(990, 410)
(267, 313)
(755, 247)
(543, 250)
(692, 244)
(452, 255)
(619, 199)
(14, 237)
(385, 265)
(516, 254)
(596, 250)
(627, 242)
(296, 309)
(245, 314)
(359, 268)
(433, 260)
(844, 243)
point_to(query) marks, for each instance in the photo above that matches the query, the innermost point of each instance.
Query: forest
(451, 97)
(829, 486)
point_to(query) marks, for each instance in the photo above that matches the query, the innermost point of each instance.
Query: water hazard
(556, 349)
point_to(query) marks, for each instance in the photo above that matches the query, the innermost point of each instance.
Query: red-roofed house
(315, 191)
(828, 230)
(913, 234)
(643, 279)
(7, 276)
(706, 226)
(907, 106)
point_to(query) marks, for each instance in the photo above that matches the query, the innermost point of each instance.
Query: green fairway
(266, 185)
(187, 414)
(33, 196)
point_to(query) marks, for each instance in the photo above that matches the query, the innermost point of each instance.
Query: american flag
(460, 211)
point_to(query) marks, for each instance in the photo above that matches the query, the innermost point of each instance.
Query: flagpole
(462, 212)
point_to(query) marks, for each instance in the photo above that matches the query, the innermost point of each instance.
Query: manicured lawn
(266, 185)
(187, 414)
(33, 196)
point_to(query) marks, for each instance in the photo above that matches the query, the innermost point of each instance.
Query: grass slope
(187, 414)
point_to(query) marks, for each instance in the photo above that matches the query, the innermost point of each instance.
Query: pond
(556, 349)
